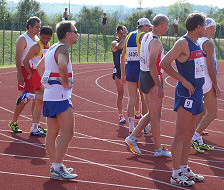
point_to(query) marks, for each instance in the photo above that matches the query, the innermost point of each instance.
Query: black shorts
(146, 81)
(116, 72)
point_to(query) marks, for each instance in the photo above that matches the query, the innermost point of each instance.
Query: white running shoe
(122, 119)
(133, 145)
(147, 130)
(162, 153)
(181, 180)
(190, 175)
(62, 173)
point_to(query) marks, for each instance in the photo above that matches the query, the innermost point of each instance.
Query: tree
(89, 18)
(29, 8)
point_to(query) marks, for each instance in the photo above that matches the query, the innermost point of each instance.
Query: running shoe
(191, 176)
(14, 127)
(122, 119)
(195, 145)
(162, 153)
(37, 134)
(70, 170)
(62, 174)
(133, 145)
(181, 180)
(206, 147)
(42, 129)
(203, 133)
(138, 116)
(22, 98)
(147, 130)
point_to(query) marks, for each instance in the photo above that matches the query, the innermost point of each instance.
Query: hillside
(58, 8)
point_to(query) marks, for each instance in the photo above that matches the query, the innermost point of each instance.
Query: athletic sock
(159, 149)
(133, 138)
(30, 95)
(131, 123)
(56, 166)
(176, 173)
(184, 168)
(35, 127)
(200, 141)
(195, 136)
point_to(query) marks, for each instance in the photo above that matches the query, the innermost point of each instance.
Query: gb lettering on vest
(132, 54)
(199, 67)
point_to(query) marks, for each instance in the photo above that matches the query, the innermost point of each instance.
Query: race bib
(132, 54)
(188, 103)
(45, 78)
(199, 68)
(114, 70)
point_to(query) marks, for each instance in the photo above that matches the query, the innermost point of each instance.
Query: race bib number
(199, 68)
(45, 79)
(132, 54)
(188, 103)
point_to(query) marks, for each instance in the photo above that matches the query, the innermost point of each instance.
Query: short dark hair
(32, 21)
(63, 27)
(47, 30)
(193, 20)
(119, 28)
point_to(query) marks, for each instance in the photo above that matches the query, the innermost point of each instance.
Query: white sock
(184, 168)
(131, 123)
(195, 136)
(133, 138)
(200, 140)
(35, 127)
(56, 166)
(176, 172)
(159, 149)
(30, 95)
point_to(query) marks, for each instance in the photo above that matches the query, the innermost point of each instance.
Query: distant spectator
(104, 22)
(175, 25)
(65, 15)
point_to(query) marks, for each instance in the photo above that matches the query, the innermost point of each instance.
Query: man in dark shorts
(150, 81)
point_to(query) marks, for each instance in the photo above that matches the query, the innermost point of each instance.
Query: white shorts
(208, 84)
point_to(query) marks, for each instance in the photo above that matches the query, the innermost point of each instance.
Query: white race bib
(45, 79)
(132, 54)
(199, 68)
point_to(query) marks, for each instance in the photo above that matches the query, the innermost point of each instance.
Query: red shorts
(175, 28)
(28, 83)
(36, 80)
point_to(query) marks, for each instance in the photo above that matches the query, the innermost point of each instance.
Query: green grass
(85, 50)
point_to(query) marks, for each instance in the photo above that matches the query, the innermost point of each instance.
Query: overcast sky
(135, 3)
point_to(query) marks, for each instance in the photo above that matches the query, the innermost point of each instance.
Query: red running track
(97, 151)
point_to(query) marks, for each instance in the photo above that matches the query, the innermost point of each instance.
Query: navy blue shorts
(116, 72)
(192, 103)
(132, 72)
(52, 108)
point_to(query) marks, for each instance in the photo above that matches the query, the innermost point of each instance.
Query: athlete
(117, 47)
(57, 79)
(188, 96)
(150, 81)
(211, 89)
(130, 75)
(34, 55)
(104, 22)
(23, 44)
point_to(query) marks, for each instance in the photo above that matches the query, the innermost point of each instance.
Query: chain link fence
(92, 46)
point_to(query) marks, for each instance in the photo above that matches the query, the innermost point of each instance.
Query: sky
(135, 3)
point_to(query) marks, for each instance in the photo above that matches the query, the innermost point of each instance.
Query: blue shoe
(37, 134)
(22, 98)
